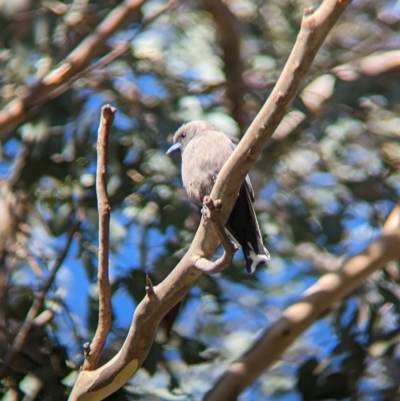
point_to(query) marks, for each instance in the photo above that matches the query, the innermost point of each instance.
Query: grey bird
(205, 149)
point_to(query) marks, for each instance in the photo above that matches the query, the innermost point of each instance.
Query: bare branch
(316, 301)
(314, 28)
(108, 378)
(119, 50)
(229, 40)
(103, 205)
(37, 304)
(60, 79)
(212, 210)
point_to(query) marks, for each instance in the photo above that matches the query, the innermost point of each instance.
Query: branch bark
(104, 381)
(103, 206)
(315, 303)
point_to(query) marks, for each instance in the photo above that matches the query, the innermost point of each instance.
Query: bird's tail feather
(244, 229)
(253, 259)
(255, 253)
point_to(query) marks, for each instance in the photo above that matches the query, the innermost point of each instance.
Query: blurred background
(324, 185)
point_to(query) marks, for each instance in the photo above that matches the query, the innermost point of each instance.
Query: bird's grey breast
(202, 160)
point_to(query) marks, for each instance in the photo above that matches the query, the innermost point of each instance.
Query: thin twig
(103, 205)
(37, 304)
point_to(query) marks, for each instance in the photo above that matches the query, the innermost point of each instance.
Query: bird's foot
(211, 208)
(211, 211)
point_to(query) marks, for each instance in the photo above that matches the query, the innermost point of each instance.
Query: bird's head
(187, 132)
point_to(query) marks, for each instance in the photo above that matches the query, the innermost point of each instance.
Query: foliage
(324, 186)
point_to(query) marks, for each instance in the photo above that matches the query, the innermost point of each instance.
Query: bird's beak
(174, 148)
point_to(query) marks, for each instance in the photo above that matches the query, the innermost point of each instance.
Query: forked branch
(105, 380)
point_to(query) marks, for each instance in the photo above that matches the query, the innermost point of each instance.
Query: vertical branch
(229, 40)
(103, 205)
(37, 304)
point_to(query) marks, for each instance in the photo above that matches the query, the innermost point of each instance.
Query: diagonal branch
(314, 29)
(111, 376)
(103, 205)
(315, 303)
(119, 50)
(37, 304)
(76, 64)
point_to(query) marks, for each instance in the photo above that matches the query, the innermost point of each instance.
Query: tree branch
(60, 79)
(103, 205)
(315, 303)
(373, 65)
(37, 304)
(229, 40)
(119, 50)
(108, 378)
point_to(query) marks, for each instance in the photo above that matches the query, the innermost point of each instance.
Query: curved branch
(315, 303)
(107, 379)
(314, 29)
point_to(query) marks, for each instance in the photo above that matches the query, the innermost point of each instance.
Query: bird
(205, 149)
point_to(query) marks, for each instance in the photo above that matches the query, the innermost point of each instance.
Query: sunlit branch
(103, 206)
(105, 380)
(119, 50)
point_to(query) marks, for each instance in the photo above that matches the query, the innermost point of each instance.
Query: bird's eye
(183, 135)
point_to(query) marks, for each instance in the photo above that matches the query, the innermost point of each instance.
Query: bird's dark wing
(247, 182)
(250, 201)
(249, 188)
